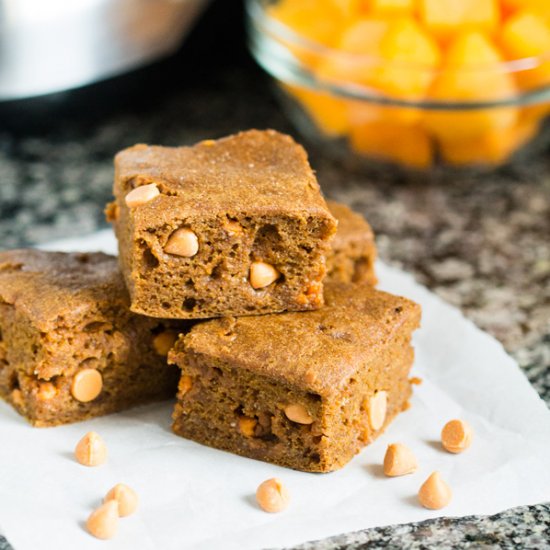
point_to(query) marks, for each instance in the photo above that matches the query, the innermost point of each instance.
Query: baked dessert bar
(302, 390)
(70, 349)
(353, 252)
(236, 226)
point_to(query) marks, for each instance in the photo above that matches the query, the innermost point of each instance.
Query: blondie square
(302, 390)
(353, 251)
(236, 226)
(70, 349)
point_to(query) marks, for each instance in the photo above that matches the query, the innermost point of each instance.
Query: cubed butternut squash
(405, 145)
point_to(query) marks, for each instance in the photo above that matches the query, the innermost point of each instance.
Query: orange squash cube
(444, 18)
(392, 7)
(364, 36)
(318, 20)
(408, 146)
(349, 8)
(470, 75)
(492, 148)
(363, 112)
(526, 34)
(539, 7)
(409, 57)
(362, 41)
(328, 112)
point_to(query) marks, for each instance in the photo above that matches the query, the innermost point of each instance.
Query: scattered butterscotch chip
(46, 391)
(434, 492)
(272, 496)
(399, 460)
(182, 242)
(91, 450)
(141, 195)
(103, 522)
(126, 498)
(415, 380)
(298, 413)
(456, 436)
(164, 341)
(262, 274)
(377, 407)
(86, 385)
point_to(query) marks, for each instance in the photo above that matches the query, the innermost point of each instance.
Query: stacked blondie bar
(237, 287)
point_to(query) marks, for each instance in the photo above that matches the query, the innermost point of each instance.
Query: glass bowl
(413, 116)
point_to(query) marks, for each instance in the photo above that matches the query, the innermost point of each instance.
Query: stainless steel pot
(53, 45)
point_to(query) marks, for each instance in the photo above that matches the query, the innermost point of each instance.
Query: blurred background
(427, 116)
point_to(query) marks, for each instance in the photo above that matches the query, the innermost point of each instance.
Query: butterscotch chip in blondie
(303, 390)
(236, 226)
(70, 348)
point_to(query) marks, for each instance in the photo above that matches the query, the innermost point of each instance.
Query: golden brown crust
(331, 343)
(260, 170)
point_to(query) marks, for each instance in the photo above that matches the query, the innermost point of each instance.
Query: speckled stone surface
(482, 244)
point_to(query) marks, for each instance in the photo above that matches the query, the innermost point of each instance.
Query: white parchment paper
(196, 497)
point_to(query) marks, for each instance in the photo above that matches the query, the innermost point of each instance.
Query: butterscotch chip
(182, 242)
(377, 408)
(262, 274)
(272, 496)
(456, 436)
(126, 498)
(247, 426)
(434, 492)
(298, 413)
(164, 341)
(91, 450)
(103, 522)
(399, 460)
(86, 385)
(46, 391)
(141, 195)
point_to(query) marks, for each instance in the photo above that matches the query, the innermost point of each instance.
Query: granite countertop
(482, 244)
